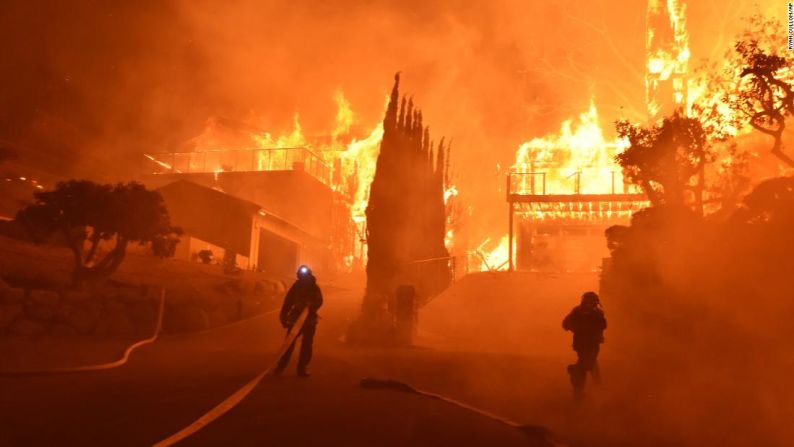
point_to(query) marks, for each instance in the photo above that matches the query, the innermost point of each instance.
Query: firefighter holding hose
(304, 294)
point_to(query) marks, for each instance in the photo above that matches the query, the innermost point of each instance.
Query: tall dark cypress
(405, 213)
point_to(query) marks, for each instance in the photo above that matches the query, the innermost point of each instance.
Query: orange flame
(667, 46)
(495, 259)
(359, 159)
(579, 159)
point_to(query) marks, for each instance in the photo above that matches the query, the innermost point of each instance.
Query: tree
(750, 89)
(765, 99)
(406, 213)
(84, 215)
(667, 159)
(770, 203)
(406, 219)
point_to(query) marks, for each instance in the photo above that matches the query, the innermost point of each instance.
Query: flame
(709, 97)
(495, 259)
(162, 164)
(449, 239)
(227, 146)
(667, 46)
(356, 158)
(294, 138)
(579, 159)
(450, 192)
(217, 172)
(359, 160)
(348, 163)
(344, 115)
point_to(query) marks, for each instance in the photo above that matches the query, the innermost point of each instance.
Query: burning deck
(562, 231)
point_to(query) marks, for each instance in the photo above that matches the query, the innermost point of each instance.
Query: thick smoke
(86, 87)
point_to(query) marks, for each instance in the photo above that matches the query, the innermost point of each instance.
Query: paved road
(169, 384)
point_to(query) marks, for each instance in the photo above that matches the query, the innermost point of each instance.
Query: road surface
(169, 384)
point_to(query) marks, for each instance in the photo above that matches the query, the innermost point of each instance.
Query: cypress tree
(405, 213)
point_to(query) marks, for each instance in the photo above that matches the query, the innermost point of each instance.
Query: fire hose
(533, 431)
(236, 397)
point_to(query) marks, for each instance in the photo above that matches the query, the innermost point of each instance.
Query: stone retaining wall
(126, 311)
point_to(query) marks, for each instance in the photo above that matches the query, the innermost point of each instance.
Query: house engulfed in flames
(563, 191)
(318, 187)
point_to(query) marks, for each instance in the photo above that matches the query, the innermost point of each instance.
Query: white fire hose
(236, 397)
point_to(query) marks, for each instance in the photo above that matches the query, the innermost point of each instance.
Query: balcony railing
(583, 181)
(240, 160)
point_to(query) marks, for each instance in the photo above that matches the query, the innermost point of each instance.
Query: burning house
(259, 240)
(316, 190)
(293, 189)
(563, 192)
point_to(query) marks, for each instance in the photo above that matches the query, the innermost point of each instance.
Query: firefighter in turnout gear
(587, 323)
(304, 294)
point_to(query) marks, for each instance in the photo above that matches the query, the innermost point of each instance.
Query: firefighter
(304, 293)
(587, 323)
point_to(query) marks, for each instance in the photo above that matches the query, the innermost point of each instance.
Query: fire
(344, 116)
(345, 163)
(495, 259)
(453, 213)
(294, 138)
(450, 192)
(713, 88)
(162, 164)
(667, 46)
(449, 239)
(216, 173)
(272, 160)
(358, 160)
(355, 159)
(579, 159)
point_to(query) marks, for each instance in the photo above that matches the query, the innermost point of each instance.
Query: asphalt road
(169, 384)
